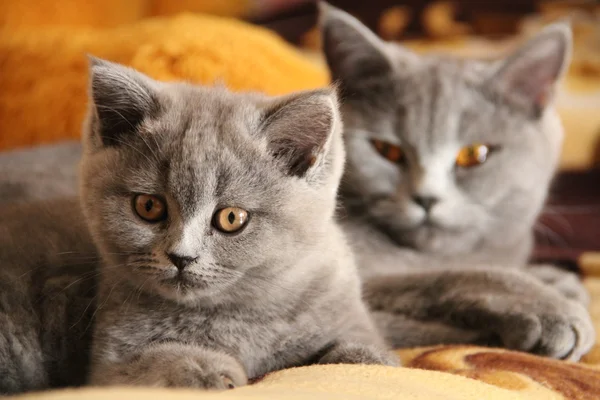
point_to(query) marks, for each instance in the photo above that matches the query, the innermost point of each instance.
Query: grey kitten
(449, 163)
(214, 216)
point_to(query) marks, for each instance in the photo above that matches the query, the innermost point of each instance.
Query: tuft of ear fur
(352, 51)
(298, 128)
(529, 76)
(121, 98)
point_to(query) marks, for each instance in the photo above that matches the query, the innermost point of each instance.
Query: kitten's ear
(352, 51)
(120, 99)
(528, 77)
(298, 128)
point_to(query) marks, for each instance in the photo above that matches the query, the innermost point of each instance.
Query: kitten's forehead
(209, 145)
(199, 115)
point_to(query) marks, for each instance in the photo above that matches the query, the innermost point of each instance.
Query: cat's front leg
(510, 305)
(172, 365)
(566, 282)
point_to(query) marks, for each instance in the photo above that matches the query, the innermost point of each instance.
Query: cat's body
(449, 164)
(213, 215)
(48, 278)
(40, 173)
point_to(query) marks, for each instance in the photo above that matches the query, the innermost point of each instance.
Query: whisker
(84, 312)
(149, 148)
(551, 234)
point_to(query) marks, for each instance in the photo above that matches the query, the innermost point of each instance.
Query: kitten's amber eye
(389, 151)
(149, 208)
(230, 219)
(470, 156)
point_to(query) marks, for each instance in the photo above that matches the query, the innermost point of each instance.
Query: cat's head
(446, 155)
(186, 189)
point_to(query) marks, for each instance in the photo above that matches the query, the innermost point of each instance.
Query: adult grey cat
(449, 164)
(214, 217)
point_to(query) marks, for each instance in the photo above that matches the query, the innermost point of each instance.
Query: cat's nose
(181, 262)
(426, 202)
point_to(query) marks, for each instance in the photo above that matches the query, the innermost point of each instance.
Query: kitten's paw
(190, 373)
(175, 365)
(566, 282)
(356, 353)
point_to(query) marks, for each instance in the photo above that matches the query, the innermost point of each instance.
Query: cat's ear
(120, 98)
(298, 129)
(529, 76)
(352, 51)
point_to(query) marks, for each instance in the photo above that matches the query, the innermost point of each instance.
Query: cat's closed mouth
(186, 280)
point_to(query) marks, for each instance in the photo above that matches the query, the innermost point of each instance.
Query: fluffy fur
(445, 273)
(283, 292)
(484, 216)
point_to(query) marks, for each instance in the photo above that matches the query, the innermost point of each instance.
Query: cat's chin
(434, 239)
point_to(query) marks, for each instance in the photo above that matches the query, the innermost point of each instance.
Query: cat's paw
(565, 282)
(510, 308)
(565, 334)
(520, 310)
(356, 353)
(541, 322)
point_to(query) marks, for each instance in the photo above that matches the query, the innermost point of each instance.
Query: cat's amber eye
(230, 219)
(389, 151)
(473, 155)
(149, 208)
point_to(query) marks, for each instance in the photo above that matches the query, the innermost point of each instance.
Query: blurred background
(43, 67)
(465, 27)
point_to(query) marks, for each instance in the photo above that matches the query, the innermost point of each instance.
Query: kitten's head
(186, 189)
(446, 155)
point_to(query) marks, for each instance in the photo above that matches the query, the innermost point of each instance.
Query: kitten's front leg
(360, 343)
(172, 365)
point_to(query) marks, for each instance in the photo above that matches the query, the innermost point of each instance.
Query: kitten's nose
(181, 262)
(425, 201)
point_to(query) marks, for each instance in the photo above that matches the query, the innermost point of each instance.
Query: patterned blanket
(448, 373)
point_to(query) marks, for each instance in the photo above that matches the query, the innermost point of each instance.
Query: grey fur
(39, 173)
(47, 283)
(375, 77)
(449, 275)
(284, 292)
